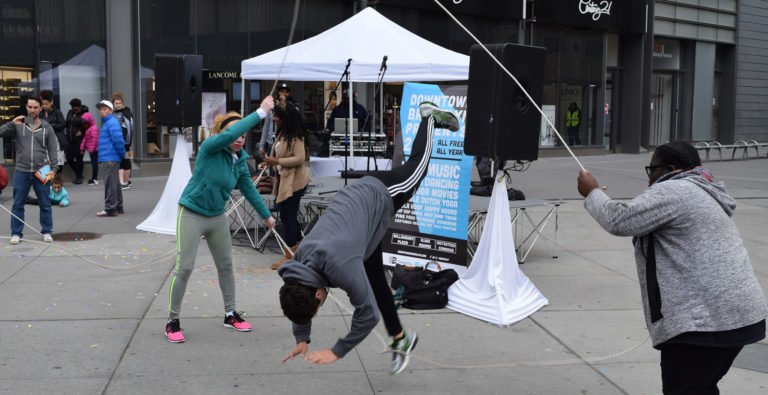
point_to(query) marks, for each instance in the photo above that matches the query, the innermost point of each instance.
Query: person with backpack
(124, 117)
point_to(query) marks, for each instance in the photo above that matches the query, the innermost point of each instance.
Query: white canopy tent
(362, 40)
(365, 38)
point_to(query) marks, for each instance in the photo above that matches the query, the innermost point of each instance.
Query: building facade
(641, 72)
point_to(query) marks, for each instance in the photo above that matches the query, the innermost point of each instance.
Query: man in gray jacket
(701, 298)
(343, 250)
(36, 153)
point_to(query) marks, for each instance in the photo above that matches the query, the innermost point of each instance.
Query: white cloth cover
(494, 289)
(163, 217)
(365, 38)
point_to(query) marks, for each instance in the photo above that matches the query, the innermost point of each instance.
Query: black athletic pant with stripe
(402, 183)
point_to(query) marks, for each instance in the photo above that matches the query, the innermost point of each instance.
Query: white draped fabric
(494, 289)
(163, 217)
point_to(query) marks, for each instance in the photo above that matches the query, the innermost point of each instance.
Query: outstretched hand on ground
(300, 349)
(322, 357)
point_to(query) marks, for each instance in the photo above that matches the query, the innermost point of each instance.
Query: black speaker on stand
(178, 89)
(502, 124)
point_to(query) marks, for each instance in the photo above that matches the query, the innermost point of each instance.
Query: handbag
(421, 288)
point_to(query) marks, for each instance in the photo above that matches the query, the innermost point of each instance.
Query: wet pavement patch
(76, 236)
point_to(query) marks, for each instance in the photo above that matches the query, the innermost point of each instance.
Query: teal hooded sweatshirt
(217, 171)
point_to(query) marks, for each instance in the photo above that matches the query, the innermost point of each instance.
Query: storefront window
(51, 45)
(573, 77)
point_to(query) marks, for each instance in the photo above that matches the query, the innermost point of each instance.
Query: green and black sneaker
(443, 119)
(402, 348)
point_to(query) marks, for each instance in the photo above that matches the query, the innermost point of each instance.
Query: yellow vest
(572, 119)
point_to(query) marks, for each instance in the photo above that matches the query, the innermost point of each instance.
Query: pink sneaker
(174, 332)
(237, 323)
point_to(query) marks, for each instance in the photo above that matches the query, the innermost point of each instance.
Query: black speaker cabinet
(178, 89)
(501, 122)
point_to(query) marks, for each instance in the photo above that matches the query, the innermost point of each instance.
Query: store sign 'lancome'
(596, 9)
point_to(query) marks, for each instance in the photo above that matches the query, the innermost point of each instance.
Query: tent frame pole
(351, 99)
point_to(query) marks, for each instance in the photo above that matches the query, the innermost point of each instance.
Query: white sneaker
(47, 238)
(15, 239)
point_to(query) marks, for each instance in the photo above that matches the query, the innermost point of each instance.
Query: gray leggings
(189, 228)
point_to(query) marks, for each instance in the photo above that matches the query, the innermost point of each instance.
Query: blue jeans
(22, 182)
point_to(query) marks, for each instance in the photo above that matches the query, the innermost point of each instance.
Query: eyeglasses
(651, 169)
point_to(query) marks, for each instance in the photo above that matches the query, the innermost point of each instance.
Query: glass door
(664, 108)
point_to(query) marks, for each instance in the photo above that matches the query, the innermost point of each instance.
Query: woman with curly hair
(289, 156)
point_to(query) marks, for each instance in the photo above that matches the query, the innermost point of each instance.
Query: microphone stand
(346, 151)
(380, 94)
(345, 73)
(357, 174)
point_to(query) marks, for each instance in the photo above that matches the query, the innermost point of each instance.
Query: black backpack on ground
(419, 288)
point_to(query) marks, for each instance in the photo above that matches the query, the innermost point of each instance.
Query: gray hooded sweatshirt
(35, 146)
(332, 255)
(703, 273)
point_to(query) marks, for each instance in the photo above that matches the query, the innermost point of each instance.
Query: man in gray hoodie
(36, 148)
(701, 298)
(343, 250)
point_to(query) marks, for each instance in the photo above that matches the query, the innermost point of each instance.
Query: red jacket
(91, 139)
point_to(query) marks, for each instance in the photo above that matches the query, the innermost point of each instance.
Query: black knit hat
(679, 154)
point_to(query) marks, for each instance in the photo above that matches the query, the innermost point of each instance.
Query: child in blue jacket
(58, 194)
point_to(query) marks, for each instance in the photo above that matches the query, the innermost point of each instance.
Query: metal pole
(350, 98)
(381, 112)
(243, 81)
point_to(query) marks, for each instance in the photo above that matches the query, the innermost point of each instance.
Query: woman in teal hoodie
(220, 165)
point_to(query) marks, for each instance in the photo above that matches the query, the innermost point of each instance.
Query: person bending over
(343, 250)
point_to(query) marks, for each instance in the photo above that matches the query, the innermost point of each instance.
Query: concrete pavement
(70, 326)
